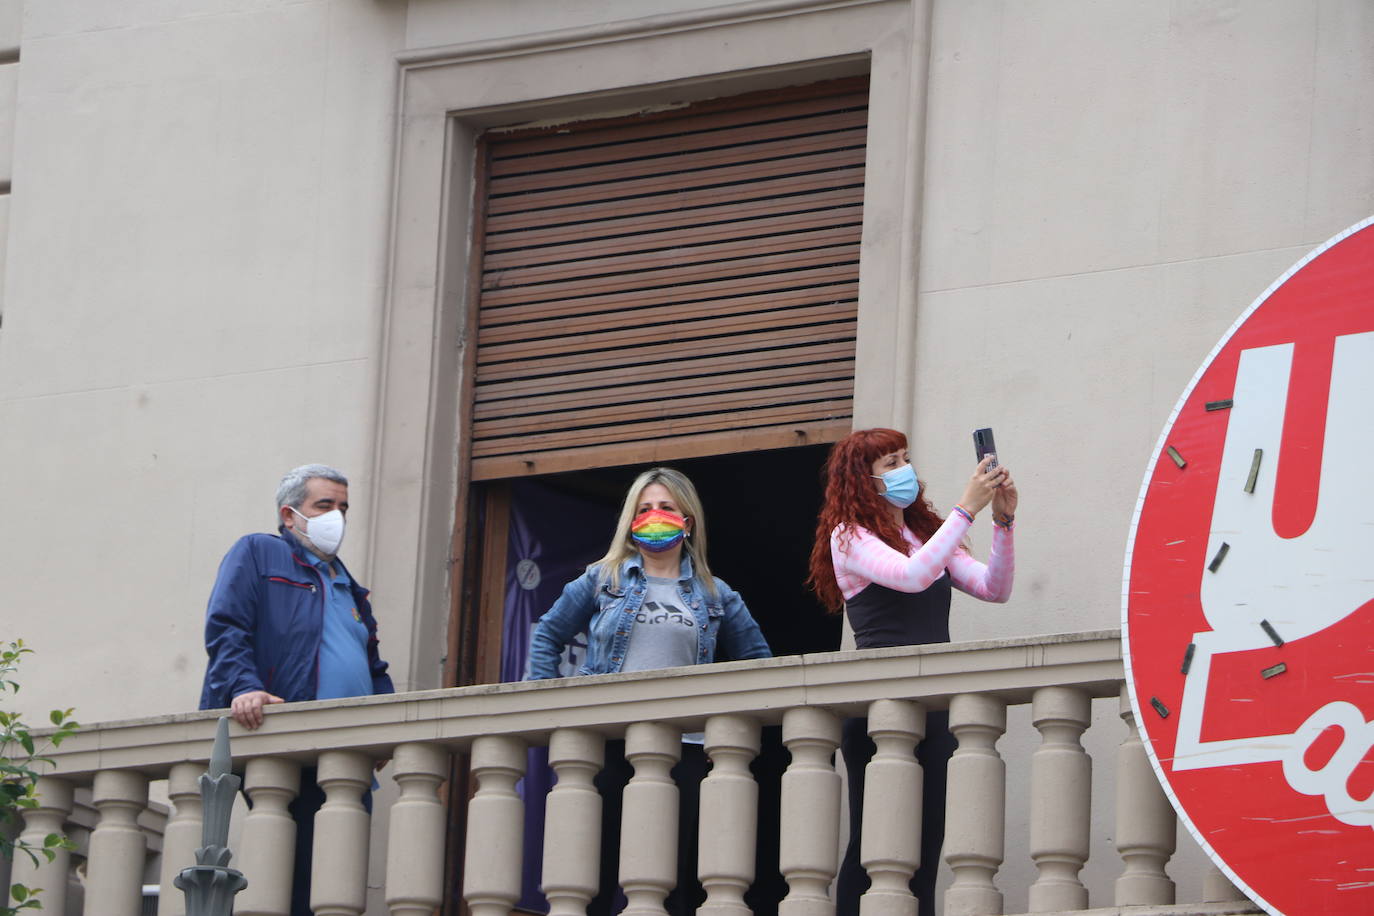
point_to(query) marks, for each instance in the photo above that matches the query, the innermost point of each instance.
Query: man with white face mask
(286, 623)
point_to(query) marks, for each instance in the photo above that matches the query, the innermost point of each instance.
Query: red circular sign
(1248, 606)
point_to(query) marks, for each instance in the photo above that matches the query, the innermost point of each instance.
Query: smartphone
(983, 445)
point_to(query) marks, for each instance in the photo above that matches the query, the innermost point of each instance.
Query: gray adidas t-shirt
(664, 634)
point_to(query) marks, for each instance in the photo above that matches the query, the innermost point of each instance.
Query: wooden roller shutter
(674, 284)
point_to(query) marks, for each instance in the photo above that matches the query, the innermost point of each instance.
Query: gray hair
(291, 490)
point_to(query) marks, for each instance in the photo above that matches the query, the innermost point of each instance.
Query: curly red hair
(852, 500)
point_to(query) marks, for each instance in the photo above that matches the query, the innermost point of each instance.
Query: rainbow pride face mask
(658, 530)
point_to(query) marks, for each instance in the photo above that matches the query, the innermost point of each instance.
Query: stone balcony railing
(1058, 676)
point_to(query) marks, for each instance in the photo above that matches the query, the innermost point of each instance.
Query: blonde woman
(651, 601)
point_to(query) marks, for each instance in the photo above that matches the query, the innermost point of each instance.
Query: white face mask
(325, 531)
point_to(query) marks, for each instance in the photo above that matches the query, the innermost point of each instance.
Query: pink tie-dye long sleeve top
(861, 558)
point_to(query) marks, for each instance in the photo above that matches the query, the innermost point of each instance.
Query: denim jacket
(608, 616)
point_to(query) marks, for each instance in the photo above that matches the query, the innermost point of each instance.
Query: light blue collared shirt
(343, 641)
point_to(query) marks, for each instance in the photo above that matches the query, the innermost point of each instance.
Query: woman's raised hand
(982, 486)
(1004, 500)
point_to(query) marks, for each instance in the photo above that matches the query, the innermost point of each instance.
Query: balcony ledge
(843, 682)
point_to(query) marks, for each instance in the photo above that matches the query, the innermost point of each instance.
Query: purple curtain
(553, 536)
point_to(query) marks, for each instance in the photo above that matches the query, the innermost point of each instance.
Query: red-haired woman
(888, 561)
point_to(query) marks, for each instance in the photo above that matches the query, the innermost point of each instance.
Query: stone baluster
(1061, 799)
(729, 816)
(649, 818)
(338, 865)
(975, 809)
(210, 885)
(114, 871)
(890, 848)
(1145, 828)
(268, 848)
(54, 806)
(810, 820)
(1217, 887)
(182, 833)
(496, 827)
(572, 822)
(415, 854)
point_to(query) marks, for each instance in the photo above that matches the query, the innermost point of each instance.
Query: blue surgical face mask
(901, 486)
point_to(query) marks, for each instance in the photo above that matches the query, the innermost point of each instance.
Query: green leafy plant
(21, 758)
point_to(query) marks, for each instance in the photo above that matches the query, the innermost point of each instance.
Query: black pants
(933, 753)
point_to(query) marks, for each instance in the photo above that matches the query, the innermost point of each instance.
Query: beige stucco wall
(227, 255)
(191, 308)
(1108, 186)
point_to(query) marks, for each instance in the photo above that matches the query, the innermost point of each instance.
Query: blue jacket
(265, 620)
(607, 615)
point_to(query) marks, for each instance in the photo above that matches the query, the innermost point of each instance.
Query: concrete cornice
(622, 30)
(844, 682)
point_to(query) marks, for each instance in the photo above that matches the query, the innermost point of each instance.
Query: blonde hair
(685, 495)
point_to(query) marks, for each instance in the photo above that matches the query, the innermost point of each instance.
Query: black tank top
(883, 617)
